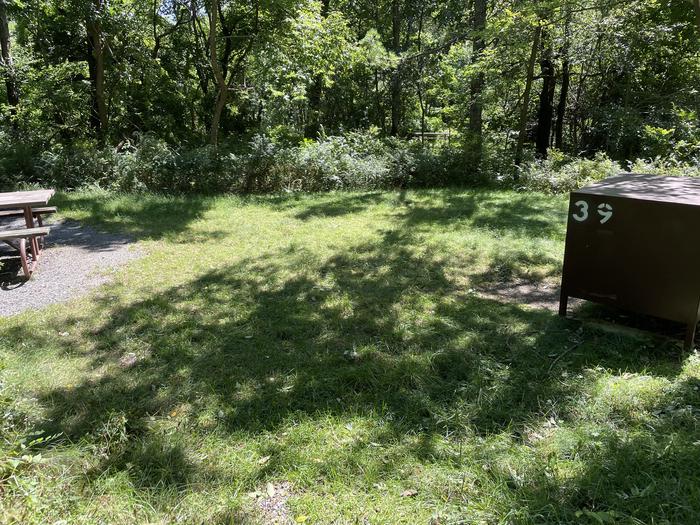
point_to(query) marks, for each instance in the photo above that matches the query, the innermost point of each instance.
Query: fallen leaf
(301, 519)
(128, 360)
(263, 460)
(409, 493)
(271, 490)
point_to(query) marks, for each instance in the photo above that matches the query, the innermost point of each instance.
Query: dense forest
(254, 95)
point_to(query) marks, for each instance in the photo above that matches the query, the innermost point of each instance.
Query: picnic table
(30, 205)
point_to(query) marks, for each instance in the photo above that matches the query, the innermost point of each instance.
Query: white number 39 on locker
(605, 211)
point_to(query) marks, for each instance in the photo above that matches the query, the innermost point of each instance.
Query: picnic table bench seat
(33, 204)
(37, 212)
(22, 235)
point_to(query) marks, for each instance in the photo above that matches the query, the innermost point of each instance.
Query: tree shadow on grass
(526, 214)
(379, 330)
(157, 216)
(521, 215)
(645, 472)
(340, 205)
(149, 217)
(518, 265)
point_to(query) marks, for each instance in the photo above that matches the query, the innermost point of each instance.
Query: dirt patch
(543, 294)
(270, 504)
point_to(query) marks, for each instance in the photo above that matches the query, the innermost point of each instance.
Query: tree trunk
(422, 106)
(565, 80)
(525, 106)
(154, 24)
(96, 66)
(221, 87)
(201, 46)
(561, 107)
(313, 126)
(221, 99)
(546, 109)
(381, 113)
(7, 64)
(396, 77)
(225, 71)
(476, 86)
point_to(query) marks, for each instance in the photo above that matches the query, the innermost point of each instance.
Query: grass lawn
(328, 353)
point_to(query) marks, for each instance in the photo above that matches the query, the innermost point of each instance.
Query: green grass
(335, 342)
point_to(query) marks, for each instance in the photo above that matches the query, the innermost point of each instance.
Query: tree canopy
(500, 77)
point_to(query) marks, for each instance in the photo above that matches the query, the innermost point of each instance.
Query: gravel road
(76, 259)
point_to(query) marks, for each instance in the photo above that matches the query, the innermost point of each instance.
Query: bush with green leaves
(263, 165)
(670, 165)
(560, 173)
(268, 164)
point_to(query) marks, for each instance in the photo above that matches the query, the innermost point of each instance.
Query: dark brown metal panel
(630, 247)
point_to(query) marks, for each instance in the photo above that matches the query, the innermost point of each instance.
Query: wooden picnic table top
(22, 199)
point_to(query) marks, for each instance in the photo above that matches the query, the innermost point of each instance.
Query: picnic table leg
(23, 256)
(40, 222)
(29, 220)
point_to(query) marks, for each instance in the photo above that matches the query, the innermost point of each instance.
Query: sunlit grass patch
(334, 344)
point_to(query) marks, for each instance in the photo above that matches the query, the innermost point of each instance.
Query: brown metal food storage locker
(632, 241)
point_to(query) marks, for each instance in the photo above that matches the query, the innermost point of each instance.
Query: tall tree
(546, 108)
(476, 86)
(525, 104)
(228, 66)
(316, 91)
(96, 50)
(396, 77)
(565, 81)
(161, 16)
(7, 63)
(613, 76)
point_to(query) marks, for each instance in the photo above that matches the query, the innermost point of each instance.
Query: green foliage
(670, 165)
(352, 161)
(624, 85)
(680, 143)
(279, 163)
(336, 71)
(562, 174)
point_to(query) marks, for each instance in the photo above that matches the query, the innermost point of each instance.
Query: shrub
(340, 163)
(265, 164)
(560, 173)
(670, 165)
(77, 166)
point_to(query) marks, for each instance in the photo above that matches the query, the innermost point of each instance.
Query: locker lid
(680, 190)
